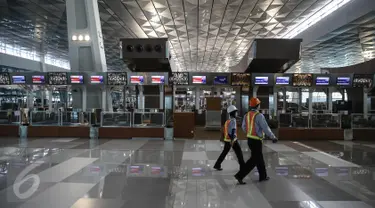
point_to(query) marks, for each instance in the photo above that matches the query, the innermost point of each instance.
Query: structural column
(86, 52)
(275, 101)
(329, 99)
(365, 103)
(310, 101)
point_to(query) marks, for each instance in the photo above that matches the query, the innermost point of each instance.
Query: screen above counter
(198, 79)
(302, 80)
(241, 79)
(116, 78)
(18, 79)
(57, 78)
(221, 80)
(363, 80)
(282, 80)
(179, 78)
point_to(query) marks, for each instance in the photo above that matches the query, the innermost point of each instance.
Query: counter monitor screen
(57, 78)
(136, 79)
(365, 82)
(4, 79)
(97, 79)
(302, 80)
(241, 79)
(282, 80)
(179, 78)
(116, 78)
(76, 79)
(322, 81)
(18, 79)
(261, 80)
(221, 80)
(157, 79)
(343, 81)
(199, 79)
(38, 79)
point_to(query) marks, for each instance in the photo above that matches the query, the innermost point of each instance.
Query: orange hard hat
(254, 102)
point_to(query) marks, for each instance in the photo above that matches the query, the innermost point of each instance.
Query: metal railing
(148, 119)
(115, 119)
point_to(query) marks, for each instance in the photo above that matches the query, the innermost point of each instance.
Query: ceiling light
(74, 37)
(310, 21)
(87, 37)
(80, 37)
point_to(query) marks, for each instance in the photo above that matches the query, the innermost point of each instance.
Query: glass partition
(9, 117)
(148, 119)
(44, 118)
(115, 119)
(360, 121)
(75, 118)
(294, 120)
(322, 120)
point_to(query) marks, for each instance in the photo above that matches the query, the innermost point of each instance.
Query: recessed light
(80, 37)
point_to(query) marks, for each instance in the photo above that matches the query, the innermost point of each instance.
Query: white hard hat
(231, 108)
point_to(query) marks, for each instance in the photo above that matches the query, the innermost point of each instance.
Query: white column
(104, 100)
(50, 95)
(310, 101)
(255, 90)
(161, 97)
(197, 97)
(365, 103)
(284, 100)
(84, 99)
(141, 99)
(329, 99)
(275, 101)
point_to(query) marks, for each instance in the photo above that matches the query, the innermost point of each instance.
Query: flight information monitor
(363, 80)
(4, 79)
(57, 78)
(179, 78)
(76, 79)
(261, 80)
(199, 79)
(116, 78)
(282, 80)
(18, 79)
(322, 81)
(343, 81)
(157, 79)
(38, 79)
(137, 79)
(302, 80)
(241, 79)
(96, 79)
(221, 80)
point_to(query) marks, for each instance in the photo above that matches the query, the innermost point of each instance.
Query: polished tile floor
(54, 173)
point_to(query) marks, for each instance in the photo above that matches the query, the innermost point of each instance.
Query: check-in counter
(126, 125)
(184, 124)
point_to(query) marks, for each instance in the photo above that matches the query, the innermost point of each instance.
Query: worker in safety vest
(255, 126)
(230, 139)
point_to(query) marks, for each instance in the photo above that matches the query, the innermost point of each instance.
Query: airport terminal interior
(128, 103)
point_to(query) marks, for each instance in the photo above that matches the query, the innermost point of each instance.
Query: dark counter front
(183, 124)
(310, 134)
(9, 130)
(364, 134)
(128, 133)
(59, 131)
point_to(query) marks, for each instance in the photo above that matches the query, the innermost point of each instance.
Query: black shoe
(264, 179)
(218, 169)
(240, 181)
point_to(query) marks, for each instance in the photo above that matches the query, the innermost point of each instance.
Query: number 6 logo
(22, 178)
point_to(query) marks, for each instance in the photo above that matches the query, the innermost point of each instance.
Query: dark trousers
(256, 160)
(237, 149)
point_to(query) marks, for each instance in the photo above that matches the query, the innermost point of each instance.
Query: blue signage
(343, 81)
(221, 80)
(261, 80)
(322, 81)
(282, 80)
(18, 79)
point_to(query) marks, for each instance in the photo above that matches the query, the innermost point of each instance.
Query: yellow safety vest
(250, 126)
(226, 126)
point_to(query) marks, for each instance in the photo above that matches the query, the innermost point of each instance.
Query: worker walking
(255, 126)
(230, 139)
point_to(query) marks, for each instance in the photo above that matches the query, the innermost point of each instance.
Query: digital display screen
(322, 172)
(344, 81)
(241, 79)
(18, 79)
(197, 172)
(116, 78)
(282, 80)
(179, 78)
(362, 80)
(136, 79)
(57, 78)
(221, 80)
(76, 79)
(97, 79)
(157, 79)
(4, 79)
(302, 80)
(261, 80)
(199, 79)
(38, 79)
(322, 81)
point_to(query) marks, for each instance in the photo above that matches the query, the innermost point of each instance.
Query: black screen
(57, 78)
(116, 78)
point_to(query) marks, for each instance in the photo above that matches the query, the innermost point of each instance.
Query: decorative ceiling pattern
(351, 44)
(205, 35)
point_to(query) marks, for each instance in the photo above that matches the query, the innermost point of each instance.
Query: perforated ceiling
(205, 35)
